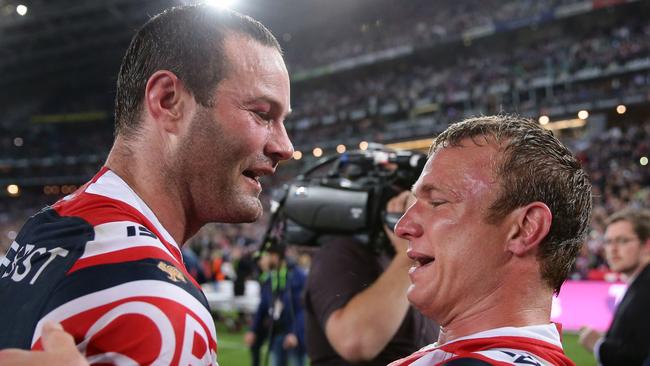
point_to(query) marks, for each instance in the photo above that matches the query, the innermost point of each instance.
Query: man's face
(459, 257)
(229, 146)
(623, 248)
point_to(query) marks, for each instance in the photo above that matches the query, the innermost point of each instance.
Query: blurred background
(386, 71)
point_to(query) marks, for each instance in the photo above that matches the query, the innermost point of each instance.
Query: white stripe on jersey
(520, 357)
(433, 358)
(545, 332)
(112, 236)
(148, 288)
(5, 262)
(112, 186)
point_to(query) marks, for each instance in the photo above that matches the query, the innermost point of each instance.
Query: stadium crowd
(381, 26)
(531, 78)
(602, 65)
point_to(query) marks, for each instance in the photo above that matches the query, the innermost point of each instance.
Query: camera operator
(355, 302)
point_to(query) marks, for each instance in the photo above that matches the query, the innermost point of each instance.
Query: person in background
(279, 316)
(627, 250)
(193, 265)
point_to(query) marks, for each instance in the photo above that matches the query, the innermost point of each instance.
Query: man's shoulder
(60, 257)
(148, 302)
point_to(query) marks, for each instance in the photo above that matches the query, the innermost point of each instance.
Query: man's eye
(265, 116)
(437, 203)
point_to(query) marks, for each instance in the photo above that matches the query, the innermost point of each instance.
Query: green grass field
(575, 351)
(231, 348)
(233, 352)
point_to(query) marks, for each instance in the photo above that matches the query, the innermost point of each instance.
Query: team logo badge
(173, 273)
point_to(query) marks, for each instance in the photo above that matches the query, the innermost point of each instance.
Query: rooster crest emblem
(173, 273)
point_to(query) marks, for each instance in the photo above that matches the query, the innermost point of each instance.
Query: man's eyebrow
(426, 188)
(273, 102)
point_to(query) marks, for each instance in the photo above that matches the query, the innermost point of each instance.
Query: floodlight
(13, 189)
(21, 10)
(544, 120)
(363, 145)
(224, 4)
(583, 114)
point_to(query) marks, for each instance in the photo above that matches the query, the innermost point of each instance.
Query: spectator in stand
(627, 247)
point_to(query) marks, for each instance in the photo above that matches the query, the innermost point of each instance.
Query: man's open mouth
(251, 175)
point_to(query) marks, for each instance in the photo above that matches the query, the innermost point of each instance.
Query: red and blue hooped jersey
(100, 263)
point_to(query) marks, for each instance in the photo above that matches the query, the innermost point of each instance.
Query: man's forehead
(455, 168)
(245, 54)
(620, 227)
(256, 72)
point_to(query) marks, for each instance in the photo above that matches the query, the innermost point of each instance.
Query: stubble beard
(216, 193)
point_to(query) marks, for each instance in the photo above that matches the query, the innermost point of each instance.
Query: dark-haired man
(627, 249)
(501, 211)
(201, 99)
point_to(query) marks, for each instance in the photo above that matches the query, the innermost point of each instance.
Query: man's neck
(145, 178)
(516, 307)
(632, 275)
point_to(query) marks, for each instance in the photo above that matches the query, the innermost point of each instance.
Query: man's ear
(530, 225)
(166, 99)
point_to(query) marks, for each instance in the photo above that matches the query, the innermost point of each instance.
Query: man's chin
(250, 211)
(421, 301)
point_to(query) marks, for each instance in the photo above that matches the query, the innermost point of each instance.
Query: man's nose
(407, 227)
(279, 146)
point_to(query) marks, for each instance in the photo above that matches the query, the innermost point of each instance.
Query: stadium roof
(64, 41)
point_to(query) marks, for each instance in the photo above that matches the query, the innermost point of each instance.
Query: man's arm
(363, 327)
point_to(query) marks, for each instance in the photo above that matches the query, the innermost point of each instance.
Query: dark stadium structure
(392, 72)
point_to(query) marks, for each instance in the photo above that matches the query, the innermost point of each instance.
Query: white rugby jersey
(100, 263)
(537, 345)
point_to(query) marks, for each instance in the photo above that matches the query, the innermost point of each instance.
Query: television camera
(344, 194)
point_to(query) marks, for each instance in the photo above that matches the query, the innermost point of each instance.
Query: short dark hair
(188, 41)
(638, 217)
(534, 167)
